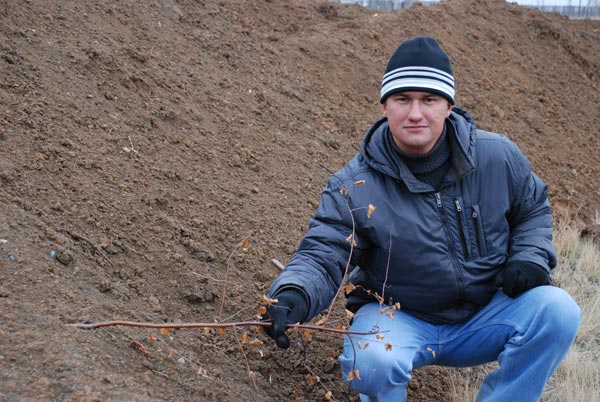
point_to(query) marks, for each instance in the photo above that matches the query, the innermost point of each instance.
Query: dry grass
(577, 379)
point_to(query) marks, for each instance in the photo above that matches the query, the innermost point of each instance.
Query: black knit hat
(419, 64)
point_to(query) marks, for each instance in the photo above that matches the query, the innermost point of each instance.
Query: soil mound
(143, 141)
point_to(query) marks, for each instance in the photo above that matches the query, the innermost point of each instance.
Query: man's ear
(384, 108)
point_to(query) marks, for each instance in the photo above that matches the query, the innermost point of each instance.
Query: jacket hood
(380, 155)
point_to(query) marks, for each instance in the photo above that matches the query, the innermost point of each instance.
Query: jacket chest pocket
(470, 230)
(479, 234)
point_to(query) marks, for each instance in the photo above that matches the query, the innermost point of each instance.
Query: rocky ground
(142, 142)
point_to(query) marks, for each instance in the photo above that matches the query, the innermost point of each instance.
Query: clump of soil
(142, 142)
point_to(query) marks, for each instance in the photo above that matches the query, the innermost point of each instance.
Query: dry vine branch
(242, 244)
(214, 325)
(241, 346)
(345, 275)
(387, 270)
(77, 236)
(387, 267)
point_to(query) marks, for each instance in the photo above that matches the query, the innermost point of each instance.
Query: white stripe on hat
(423, 83)
(418, 77)
(423, 69)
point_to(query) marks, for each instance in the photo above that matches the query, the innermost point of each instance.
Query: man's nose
(415, 112)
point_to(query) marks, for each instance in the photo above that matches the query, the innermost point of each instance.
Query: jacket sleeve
(326, 251)
(530, 217)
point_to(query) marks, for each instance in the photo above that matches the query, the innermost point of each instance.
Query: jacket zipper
(463, 240)
(457, 270)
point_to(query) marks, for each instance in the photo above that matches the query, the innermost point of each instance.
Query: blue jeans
(528, 336)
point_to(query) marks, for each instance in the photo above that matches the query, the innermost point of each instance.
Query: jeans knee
(374, 368)
(560, 312)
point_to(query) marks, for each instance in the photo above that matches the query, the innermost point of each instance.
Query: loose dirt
(143, 141)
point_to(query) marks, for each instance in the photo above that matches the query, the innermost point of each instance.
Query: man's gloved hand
(291, 307)
(520, 276)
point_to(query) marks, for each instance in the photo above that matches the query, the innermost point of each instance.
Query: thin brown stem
(345, 276)
(247, 363)
(353, 357)
(225, 285)
(387, 270)
(77, 236)
(387, 267)
(185, 325)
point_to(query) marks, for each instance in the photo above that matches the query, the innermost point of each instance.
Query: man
(446, 222)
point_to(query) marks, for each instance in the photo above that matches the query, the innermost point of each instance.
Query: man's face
(416, 119)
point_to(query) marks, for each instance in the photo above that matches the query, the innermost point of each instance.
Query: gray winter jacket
(437, 253)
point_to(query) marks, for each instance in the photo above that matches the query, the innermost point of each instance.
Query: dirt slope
(142, 141)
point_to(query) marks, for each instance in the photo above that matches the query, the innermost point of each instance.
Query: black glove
(291, 307)
(520, 276)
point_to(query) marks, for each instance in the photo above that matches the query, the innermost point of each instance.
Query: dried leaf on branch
(138, 346)
(353, 374)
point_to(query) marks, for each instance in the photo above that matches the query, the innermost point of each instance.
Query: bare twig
(387, 270)
(130, 149)
(247, 363)
(159, 373)
(77, 236)
(242, 244)
(337, 293)
(278, 264)
(212, 278)
(387, 267)
(184, 325)
(353, 356)
(242, 311)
